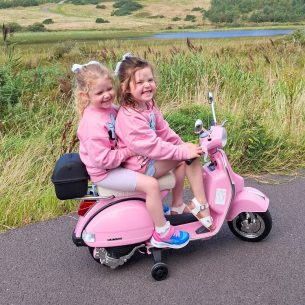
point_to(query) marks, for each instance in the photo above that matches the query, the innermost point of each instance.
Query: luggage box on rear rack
(70, 177)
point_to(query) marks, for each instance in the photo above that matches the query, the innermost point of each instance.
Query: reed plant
(260, 93)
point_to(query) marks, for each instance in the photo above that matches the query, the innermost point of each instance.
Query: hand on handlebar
(195, 151)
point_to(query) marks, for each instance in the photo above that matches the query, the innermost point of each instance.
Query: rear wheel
(114, 253)
(251, 226)
(91, 249)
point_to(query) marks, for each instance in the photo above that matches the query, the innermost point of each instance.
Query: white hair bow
(76, 67)
(118, 65)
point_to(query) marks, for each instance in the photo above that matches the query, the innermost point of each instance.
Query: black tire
(251, 226)
(159, 271)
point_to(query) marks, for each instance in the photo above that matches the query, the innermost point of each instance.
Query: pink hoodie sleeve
(144, 141)
(103, 157)
(164, 131)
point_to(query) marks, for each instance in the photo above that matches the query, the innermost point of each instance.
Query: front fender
(248, 200)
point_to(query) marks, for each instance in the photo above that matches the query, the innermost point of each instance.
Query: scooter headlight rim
(88, 237)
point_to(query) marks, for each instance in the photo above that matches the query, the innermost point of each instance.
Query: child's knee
(152, 185)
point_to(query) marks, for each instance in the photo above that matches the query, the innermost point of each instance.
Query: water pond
(219, 34)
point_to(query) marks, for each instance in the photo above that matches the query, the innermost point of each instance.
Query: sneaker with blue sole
(174, 239)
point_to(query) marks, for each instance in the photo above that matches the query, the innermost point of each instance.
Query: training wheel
(159, 271)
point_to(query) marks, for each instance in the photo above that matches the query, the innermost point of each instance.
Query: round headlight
(224, 137)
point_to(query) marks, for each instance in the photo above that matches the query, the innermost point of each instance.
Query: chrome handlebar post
(211, 102)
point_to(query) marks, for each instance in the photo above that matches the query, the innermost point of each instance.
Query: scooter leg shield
(248, 200)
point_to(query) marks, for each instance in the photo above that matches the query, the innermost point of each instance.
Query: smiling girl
(142, 128)
(98, 150)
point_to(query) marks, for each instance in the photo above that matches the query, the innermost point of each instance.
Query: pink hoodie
(148, 135)
(97, 151)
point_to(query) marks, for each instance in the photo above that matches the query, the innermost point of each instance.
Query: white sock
(164, 229)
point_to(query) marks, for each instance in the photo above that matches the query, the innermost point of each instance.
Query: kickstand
(157, 255)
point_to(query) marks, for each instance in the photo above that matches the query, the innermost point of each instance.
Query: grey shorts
(120, 179)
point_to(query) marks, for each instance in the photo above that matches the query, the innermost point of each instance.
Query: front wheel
(251, 226)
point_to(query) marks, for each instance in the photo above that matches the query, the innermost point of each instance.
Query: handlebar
(189, 161)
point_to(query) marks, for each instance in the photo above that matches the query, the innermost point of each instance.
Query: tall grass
(258, 85)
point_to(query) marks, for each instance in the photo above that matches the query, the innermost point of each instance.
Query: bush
(156, 16)
(297, 37)
(48, 21)
(36, 27)
(194, 9)
(101, 20)
(190, 18)
(176, 19)
(125, 7)
(14, 27)
(101, 6)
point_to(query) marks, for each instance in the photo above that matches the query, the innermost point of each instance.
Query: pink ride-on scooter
(114, 225)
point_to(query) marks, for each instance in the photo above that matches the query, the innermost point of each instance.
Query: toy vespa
(114, 225)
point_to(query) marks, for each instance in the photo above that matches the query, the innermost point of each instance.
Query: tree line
(229, 11)
(24, 3)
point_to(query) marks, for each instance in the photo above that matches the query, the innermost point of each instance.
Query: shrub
(101, 6)
(14, 27)
(297, 37)
(156, 16)
(194, 9)
(101, 20)
(142, 15)
(176, 19)
(48, 21)
(125, 7)
(190, 18)
(36, 27)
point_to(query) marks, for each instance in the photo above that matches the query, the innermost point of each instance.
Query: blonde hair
(126, 74)
(86, 76)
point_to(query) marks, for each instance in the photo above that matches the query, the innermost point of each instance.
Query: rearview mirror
(210, 97)
(198, 126)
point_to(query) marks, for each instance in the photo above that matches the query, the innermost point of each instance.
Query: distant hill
(229, 11)
(23, 3)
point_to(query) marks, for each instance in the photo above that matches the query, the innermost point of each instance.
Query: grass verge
(258, 86)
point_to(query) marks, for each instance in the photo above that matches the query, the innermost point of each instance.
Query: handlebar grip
(189, 161)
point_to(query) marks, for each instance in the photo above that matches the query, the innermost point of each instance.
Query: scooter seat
(166, 182)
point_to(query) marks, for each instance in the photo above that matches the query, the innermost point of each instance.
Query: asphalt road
(39, 264)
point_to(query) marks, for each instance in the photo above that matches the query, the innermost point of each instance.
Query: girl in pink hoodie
(98, 149)
(141, 127)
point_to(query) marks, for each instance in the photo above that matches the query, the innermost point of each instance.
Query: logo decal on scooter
(220, 197)
(115, 238)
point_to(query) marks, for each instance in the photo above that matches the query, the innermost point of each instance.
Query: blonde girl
(94, 96)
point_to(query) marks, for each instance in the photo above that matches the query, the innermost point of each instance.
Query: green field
(258, 85)
(155, 15)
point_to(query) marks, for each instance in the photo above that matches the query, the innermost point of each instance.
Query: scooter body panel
(83, 220)
(218, 189)
(248, 200)
(125, 223)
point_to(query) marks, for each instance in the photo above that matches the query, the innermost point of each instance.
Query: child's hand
(194, 150)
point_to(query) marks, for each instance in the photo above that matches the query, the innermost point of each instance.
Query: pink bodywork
(129, 222)
(124, 223)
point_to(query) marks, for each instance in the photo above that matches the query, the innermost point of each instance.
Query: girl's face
(144, 86)
(101, 93)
